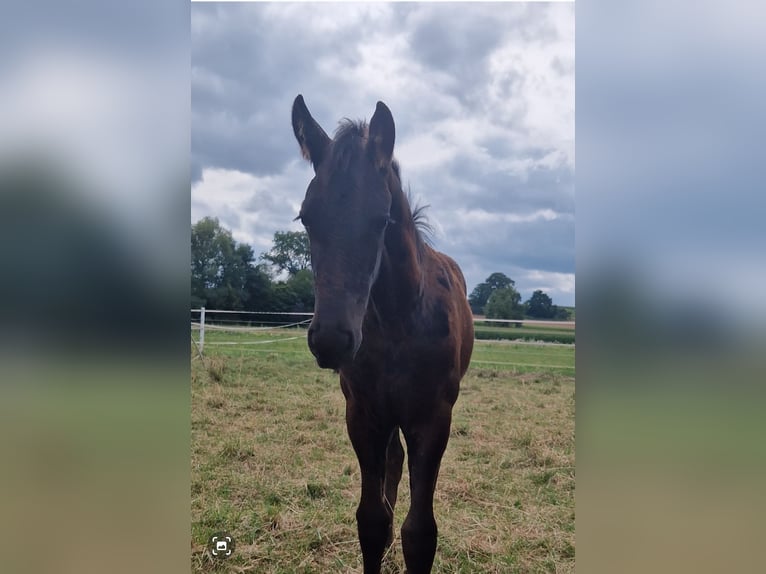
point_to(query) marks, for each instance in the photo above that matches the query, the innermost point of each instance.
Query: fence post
(201, 329)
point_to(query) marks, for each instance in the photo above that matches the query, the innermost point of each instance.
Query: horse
(390, 317)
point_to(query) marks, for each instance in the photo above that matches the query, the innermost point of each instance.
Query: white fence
(236, 325)
(264, 324)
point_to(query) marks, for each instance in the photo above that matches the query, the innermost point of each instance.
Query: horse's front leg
(426, 442)
(394, 461)
(374, 518)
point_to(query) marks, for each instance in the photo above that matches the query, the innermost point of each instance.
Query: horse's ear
(381, 136)
(312, 138)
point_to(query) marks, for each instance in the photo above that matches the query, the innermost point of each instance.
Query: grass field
(527, 332)
(272, 465)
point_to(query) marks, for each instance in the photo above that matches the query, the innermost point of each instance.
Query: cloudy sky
(483, 99)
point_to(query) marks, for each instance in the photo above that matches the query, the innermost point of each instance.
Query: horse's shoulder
(444, 271)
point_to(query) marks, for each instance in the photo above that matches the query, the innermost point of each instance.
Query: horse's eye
(380, 222)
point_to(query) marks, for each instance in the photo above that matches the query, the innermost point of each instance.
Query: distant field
(528, 332)
(272, 465)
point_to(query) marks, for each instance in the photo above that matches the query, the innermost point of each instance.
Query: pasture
(549, 333)
(273, 466)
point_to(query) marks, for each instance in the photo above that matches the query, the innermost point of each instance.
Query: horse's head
(346, 211)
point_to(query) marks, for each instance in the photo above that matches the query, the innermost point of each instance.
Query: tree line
(497, 298)
(226, 275)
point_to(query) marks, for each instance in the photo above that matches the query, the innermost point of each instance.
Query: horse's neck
(400, 279)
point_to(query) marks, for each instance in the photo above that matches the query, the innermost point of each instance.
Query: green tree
(296, 294)
(206, 238)
(504, 303)
(224, 275)
(540, 306)
(301, 286)
(561, 314)
(483, 291)
(220, 267)
(259, 290)
(499, 281)
(290, 252)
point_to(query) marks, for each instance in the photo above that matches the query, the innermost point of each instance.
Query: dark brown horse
(391, 317)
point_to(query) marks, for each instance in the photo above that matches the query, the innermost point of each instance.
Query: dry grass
(272, 465)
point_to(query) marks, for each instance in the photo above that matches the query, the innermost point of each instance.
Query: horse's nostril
(350, 341)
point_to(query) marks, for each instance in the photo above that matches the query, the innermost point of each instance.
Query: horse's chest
(397, 376)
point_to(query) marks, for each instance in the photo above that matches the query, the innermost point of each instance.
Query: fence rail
(204, 315)
(250, 312)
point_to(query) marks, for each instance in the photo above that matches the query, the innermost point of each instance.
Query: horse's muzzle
(332, 346)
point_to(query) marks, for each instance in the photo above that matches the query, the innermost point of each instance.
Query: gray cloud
(482, 96)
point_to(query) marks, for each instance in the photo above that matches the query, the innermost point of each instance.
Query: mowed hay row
(273, 466)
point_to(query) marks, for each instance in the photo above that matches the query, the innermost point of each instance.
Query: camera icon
(221, 545)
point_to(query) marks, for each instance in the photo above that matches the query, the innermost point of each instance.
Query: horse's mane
(348, 143)
(425, 230)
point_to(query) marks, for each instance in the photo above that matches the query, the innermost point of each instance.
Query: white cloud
(261, 204)
(425, 151)
(556, 285)
(475, 217)
(532, 88)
